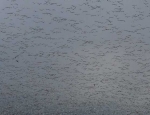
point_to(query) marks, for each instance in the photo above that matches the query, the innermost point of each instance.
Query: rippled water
(74, 57)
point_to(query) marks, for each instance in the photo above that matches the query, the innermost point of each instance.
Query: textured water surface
(74, 57)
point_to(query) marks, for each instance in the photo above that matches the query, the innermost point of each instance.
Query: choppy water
(74, 57)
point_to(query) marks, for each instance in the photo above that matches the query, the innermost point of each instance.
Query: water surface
(74, 57)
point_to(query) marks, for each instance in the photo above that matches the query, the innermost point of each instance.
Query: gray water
(74, 57)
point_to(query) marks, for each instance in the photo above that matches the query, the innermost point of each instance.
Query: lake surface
(75, 57)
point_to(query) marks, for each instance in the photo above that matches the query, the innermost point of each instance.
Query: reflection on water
(85, 57)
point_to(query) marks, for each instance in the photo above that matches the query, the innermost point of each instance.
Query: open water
(74, 57)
